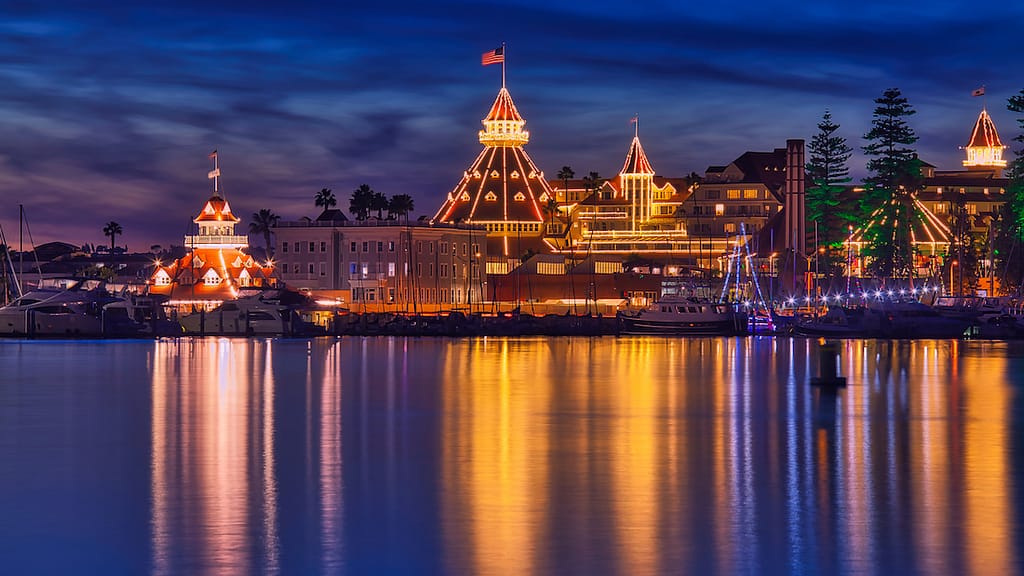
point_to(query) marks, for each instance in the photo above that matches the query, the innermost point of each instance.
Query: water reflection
(513, 456)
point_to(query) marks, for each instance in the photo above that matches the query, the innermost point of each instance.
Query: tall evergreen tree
(888, 200)
(827, 166)
(1009, 241)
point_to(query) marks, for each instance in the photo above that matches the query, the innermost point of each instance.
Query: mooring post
(828, 366)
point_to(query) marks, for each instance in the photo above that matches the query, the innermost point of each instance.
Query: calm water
(509, 456)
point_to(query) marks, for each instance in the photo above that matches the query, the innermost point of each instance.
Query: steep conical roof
(636, 160)
(504, 108)
(984, 134)
(985, 149)
(503, 184)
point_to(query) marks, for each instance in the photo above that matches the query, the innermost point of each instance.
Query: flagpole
(503, 57)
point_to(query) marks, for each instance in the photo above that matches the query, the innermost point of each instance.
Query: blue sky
(109, 111)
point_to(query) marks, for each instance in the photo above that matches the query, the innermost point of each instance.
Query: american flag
(979, 92)
(496, 56)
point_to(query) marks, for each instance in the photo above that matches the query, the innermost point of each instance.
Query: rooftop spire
(985, 149)
(636, 158)
(503, 125)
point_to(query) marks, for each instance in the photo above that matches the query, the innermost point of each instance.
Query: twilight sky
(108, 110)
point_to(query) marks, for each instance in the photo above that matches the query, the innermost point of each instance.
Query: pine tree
(1009, 242)
(829, 154)
(888, 200)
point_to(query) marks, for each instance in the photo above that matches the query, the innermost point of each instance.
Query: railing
(375, 223)
(201, 240)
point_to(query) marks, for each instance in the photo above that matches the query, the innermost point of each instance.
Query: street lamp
(952, 267)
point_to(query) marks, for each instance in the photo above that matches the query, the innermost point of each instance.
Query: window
(430, 247)
(430, 270)
(366, 270)
(323, 246)
(366, 246)
(713, 194)
(391, 269)
(444, 248)
(730, 228)
(972, 209)
(297, 247)
(162, 278)
(312, 246)
(719, 209)
(444, 270)
(352, 269)
(284, 247)
(352, 247)
(750, 194)
(732, 194)
(391, 246)
(419, 246)
(284, 268)
(941, 208)
(211, 278)
(311, 268)
(323, 269)
(380, 246)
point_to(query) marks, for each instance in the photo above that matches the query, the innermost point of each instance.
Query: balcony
(201, 241)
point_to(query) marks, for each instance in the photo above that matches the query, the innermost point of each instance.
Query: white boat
(684, 316)
(66, 307)
(259, 315)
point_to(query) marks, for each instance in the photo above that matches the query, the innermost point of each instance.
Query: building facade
(384, 265)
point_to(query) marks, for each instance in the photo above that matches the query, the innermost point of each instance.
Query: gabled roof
(332, 215)
(187, 274)
(636, 160)
(984, 134)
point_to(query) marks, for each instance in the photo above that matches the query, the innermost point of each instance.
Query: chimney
(795, 192)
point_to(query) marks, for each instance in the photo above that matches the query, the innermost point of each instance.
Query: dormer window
(465, 196)
(519, 196)
(495, 174)
(162, 278)
(197, 262)
(514, 175)
(490, 196)
(211, 278)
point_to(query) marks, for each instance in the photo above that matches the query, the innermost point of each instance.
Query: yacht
(684, 316)
(258, 315)
(66, 307)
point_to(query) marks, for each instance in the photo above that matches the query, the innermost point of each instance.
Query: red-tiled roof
(216, 209)
(503, 108)
(984, 134)
(636, 160)
(187, 277)
(503, 184)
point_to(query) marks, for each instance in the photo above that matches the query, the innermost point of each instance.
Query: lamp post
(952, 267)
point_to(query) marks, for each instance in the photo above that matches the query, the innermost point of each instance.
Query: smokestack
(795, 192)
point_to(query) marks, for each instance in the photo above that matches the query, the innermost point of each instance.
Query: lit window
(732, 194)
(519, 196)
(162, 278)
(719, 209)
(211, 278)
(391, 269)
(750, 193)
(491, 196)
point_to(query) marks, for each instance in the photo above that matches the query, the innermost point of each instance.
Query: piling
(828, 366)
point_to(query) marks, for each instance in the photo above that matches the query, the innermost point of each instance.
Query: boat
(684, 316)
(263, 314)
(913, 319)
(839, 322)
(80, 307)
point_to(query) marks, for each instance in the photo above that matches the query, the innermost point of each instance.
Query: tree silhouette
(112, 229)
(265, 220)
(379, 202)
(326, 199)
(401, 205)
(361, 202)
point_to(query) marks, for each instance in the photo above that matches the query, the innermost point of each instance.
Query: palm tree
(401, 205)
(361, 202)
(550, 208)
(112, 229)
(566, 174)
(326, 199)
(379, 202)
(264, 220)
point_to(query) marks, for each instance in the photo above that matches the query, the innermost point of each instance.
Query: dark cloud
(108, 112)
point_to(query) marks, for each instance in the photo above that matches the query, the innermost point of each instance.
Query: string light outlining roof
(985, 148)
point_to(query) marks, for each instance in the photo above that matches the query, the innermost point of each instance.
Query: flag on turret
(496, 56)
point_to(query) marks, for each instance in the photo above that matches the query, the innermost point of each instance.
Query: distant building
(503, 190)
(217, 265)
(384, 264)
